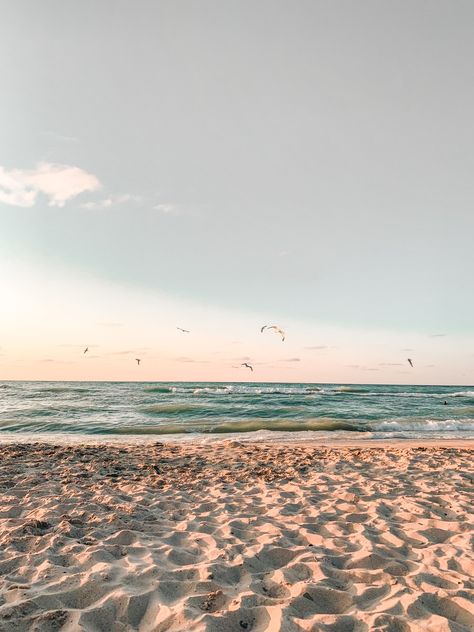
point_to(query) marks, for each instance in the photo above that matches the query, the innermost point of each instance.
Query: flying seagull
(85, 350)
(249, 366)
(185, 331)
(276, 329)
(410, 362)
(138, 360)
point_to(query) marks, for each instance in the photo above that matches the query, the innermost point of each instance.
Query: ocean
(252, 409)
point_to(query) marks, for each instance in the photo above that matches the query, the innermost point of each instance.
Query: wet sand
(231, 536)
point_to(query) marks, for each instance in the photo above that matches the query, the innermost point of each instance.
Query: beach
(234, 535)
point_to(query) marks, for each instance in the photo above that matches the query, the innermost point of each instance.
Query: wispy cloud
(108, 202)
(438, 335)
(391, 364)
(59, 183)
(190, 360)
(360, 367)
(290, 360)
(166, 208)
(110, 324)
(316, 347)
(77, 346)
(122, 353)
(136, 353)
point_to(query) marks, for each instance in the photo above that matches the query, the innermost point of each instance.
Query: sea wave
(170, 409)
(5, 423)
(160, 389)
(465, 410)
(462, 394)
(417, 395)
(322, 424)
(422, 425)
(249, 425)
(220, 408)
(224, 390)
(64, 389)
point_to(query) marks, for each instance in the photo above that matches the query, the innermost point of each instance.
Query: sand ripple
(233, 537)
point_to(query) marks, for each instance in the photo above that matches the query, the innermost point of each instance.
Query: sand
(236, 536)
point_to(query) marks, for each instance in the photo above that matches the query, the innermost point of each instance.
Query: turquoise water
(126, 408)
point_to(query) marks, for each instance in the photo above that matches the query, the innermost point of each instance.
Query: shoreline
(288, 439)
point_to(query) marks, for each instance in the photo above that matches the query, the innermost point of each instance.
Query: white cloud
(112, 200)
(59, 183)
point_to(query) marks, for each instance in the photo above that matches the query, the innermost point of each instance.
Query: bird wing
(279, 330)
(262, 328)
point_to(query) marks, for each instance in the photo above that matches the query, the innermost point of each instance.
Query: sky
(222, 165)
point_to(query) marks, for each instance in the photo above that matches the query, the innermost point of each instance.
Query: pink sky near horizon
(49, 317)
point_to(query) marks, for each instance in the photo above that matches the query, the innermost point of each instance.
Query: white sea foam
(423, 425)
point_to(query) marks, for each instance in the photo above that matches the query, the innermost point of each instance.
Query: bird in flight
(410, 362)
(85, 350)
(249, 366)
(184, 331)
(138, 360)
(276, 329)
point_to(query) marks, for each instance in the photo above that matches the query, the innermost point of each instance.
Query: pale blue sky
(297, 161)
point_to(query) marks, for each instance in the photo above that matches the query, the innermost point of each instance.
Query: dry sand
(236, 536)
